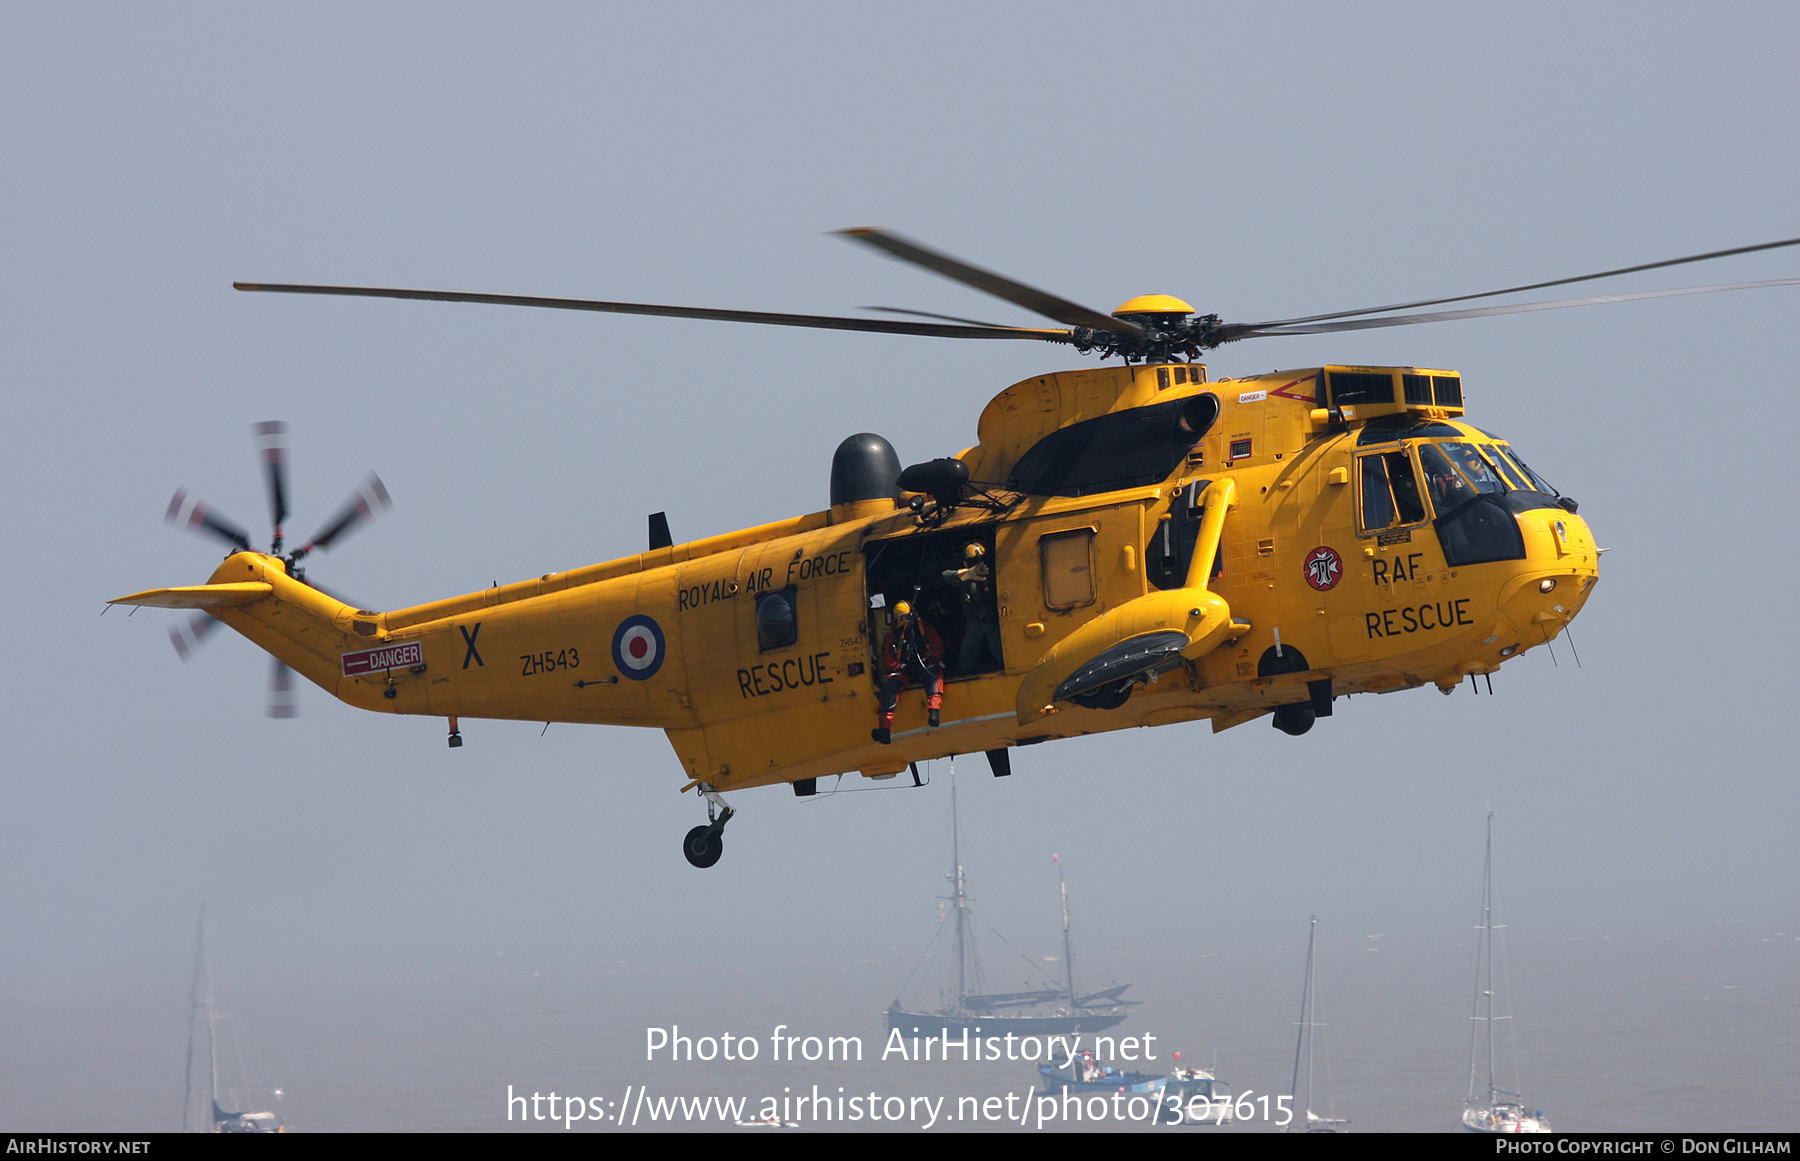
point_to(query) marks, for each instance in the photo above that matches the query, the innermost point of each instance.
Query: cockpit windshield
(1537, 482)
(1455, 473)
(1449, 473)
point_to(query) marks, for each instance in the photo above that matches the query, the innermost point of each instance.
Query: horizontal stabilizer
(223, 596)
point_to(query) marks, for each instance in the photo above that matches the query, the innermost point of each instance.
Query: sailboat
(1492, 1109)
(202, 1018)
(1305, 1052)
(1042, 1012)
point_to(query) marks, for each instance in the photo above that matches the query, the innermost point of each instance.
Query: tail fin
(298, 624)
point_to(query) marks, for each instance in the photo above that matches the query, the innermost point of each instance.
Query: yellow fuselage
(669, 638)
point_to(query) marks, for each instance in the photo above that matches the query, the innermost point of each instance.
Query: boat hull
(1501, 1119)
(955, 1023)
(1058, 1080)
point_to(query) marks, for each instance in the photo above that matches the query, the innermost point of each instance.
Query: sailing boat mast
(1305, 1045)
(1068, 951)
(1301, 1040)
(972, 1008)
(1484, 976)
(200, 1002)
(1501, 1111)
(961, 898)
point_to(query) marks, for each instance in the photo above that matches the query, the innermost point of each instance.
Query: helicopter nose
(1561, 567)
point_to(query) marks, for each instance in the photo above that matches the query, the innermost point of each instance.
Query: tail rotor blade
(187, 635)
(366, 503)
(271, 438)
(189, 511)
(282, 703)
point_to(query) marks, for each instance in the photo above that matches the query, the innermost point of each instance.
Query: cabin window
(1068, 562)
(776, 624)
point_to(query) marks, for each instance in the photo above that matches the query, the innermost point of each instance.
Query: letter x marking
(469, 640)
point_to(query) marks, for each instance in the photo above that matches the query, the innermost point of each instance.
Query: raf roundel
(1324, 568)
(637, 647)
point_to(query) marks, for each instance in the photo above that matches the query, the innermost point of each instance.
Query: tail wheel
(703, 846)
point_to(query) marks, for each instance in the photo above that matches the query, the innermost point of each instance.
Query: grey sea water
(1694, 1028)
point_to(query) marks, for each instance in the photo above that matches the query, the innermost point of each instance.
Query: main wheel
(1107, 697)
(1294, 719)
(703, 846)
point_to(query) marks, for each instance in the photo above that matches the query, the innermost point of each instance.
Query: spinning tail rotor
(369, 500)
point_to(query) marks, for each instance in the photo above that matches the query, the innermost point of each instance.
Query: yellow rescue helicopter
(1131, 545)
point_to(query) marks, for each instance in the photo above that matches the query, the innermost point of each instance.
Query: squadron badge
(1324, 568)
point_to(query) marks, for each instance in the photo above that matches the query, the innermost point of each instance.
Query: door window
(1068, 562)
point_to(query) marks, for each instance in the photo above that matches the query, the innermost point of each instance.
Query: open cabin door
(922, 569)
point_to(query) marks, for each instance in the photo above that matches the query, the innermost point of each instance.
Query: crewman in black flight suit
(981, 621)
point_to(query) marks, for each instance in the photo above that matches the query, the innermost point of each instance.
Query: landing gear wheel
(703, 846)
(1295, 719)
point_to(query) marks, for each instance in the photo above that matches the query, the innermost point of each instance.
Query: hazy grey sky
(1259, 160)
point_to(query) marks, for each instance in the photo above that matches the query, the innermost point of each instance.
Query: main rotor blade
(271, 437)
(823, 322)
(1032, 299)
(1531, 286)
(974, 322)
(1231, 332)
(188, 510)
(365, 503)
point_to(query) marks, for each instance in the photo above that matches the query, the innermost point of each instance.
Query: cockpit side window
(1390, 491)
(1377, 497)
(1406, 487)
